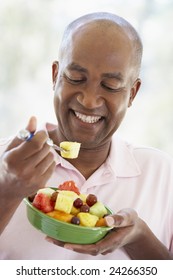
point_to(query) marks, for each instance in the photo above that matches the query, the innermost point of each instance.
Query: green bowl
(63, 231)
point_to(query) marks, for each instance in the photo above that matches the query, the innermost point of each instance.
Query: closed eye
(74, 81)
(112, 89)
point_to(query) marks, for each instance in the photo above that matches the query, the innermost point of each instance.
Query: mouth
(90, 119)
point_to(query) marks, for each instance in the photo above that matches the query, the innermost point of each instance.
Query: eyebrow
(116, 75)
(76, 67)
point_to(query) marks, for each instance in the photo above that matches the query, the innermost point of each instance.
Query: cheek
(59, 95)
(122, 108)
(63, 92)
(120, 105)
(58, 101)
(62, 97)
(117, 112)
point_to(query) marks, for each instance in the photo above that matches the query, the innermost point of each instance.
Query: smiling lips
(86, 118)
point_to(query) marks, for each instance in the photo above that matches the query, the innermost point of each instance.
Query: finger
(115, 239)
(35, 181)
(45, 177)
(112, 241)
(41, 180)
(89, 249)
(31, 127)
(25, 151)
(38, 157)
(33, 146)
(32, 124)
(44, 165)
(54, 241)
(123, 218)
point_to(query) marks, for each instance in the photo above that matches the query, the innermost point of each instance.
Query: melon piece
(98, 209)
(64, 203)
(47, 191)
(61, 216)
(101, 223)
(74, 210)
(71, 194)
(87, 220)
(83, 197)
(71, 149)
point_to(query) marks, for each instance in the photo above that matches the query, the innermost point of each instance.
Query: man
(95, 81)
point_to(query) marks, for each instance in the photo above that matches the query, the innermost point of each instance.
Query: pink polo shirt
(135, 177)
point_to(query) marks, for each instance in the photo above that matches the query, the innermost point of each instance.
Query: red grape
(78, 203)
(84, 208)
(54, 196)
(91, 199)
(75, 220)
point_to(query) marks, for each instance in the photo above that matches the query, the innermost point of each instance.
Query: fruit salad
(67, 204)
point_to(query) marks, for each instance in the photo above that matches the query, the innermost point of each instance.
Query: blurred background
(30, 33)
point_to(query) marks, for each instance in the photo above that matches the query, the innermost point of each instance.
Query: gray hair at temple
(104, 20)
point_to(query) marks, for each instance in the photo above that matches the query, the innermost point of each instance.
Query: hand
(125, 230)
(26, 166)
(129, 232)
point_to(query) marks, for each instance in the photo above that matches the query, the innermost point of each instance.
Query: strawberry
(69, 186)
(43, 202)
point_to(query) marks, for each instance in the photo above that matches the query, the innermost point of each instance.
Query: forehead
(100, 46)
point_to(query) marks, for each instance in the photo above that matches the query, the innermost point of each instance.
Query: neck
(89, 160)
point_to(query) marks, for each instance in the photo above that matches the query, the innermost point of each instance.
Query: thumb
(31, 127)
(125, 217)
(32, 124)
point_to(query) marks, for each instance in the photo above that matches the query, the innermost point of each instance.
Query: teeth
(87, 119)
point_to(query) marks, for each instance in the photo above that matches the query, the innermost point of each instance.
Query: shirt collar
(121, 159)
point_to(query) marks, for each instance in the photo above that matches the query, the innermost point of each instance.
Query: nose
(90, 97)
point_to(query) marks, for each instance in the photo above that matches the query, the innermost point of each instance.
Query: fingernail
(109, 220)
(116, 221)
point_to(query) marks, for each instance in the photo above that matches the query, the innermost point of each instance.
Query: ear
(134, 90)
(55, 68)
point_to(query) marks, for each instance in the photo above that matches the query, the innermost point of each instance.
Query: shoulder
(143, 155)
(151, 154)
(151, 158)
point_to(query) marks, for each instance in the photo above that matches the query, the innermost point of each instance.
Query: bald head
(103, 22)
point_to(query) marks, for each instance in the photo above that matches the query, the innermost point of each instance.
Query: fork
(26, 135)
